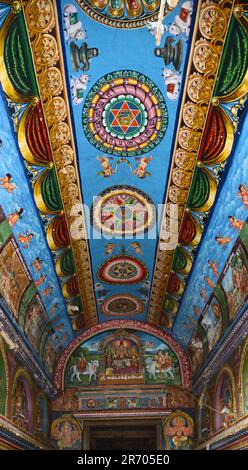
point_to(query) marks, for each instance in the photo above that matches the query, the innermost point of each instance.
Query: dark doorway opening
(122, 435)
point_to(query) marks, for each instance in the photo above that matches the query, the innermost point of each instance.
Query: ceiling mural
(112, 124)
(217, 290)
(124, 120)
(29, 287)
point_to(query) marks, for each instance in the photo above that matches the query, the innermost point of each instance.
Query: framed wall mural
(179, 431)
(35, 322)
(235, 280)
(22, 402)
(212, 322)
(40, 416)
(204, 417)
(66, 433)
(224, 401)
(14, 278)
(49, 354)
(122, 357)
(244, 378)
(196, 352)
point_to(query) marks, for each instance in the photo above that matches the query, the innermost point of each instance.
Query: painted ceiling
(99, 128)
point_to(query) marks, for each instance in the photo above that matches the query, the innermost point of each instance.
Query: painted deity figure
(243, 194)
(15, 216)
(236, 223)
(66, 435)
(19, 415)
(6, 183)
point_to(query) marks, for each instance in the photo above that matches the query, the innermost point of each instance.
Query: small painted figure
(172, 82)
(243, 193)
(54, 308)
(196, 310)
(40, 281)
(213, 266)
(37, 264)
(181, 24)
(142, 164)
(203, 294)
(136, 247)
(222, 241)
(106, 163)
(15, 216)
(59, 327)
(209, 281)
(78, 86)
(73, 27)
(25, 239)
(109, 248)
(236, 223)
(46, 292)
(6, 183)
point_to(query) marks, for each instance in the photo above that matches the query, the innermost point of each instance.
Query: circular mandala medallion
(122, 305)
(122, 270)
(125, 114)
(122, 13)
(123, 210)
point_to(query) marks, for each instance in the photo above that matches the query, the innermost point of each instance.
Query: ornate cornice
(237, 334)
(26, 356)
(8, 430)
(209, 35)
(44, 34)
(238, 430)
(130, 324)
(122, 414)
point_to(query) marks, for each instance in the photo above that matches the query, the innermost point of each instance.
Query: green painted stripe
(179, 261)
(199, 191)
(5, 232)
(234, 61)
(50, 192)
(26, 299)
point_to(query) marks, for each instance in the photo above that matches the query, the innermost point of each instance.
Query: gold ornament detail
(188, 139)
(16, 6)
(185, 160)
(213, 21)
(40, 16)
(50, 82)
(181, 178)
(199, 88)
(205, 57)
(194, 115)
(55, 110)
(46, 50)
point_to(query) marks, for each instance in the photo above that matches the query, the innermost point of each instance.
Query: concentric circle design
(125, 117)
(122, 270)
(125, 114)
(122, 13)
(122, 305)
(123, 210)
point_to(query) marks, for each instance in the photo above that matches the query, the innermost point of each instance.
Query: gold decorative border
(243, 357)
(6, 367)
(196, 101)
(118, 23)
(44, 35)
(9, 426)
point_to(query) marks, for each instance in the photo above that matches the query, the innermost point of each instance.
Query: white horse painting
(90, 370)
